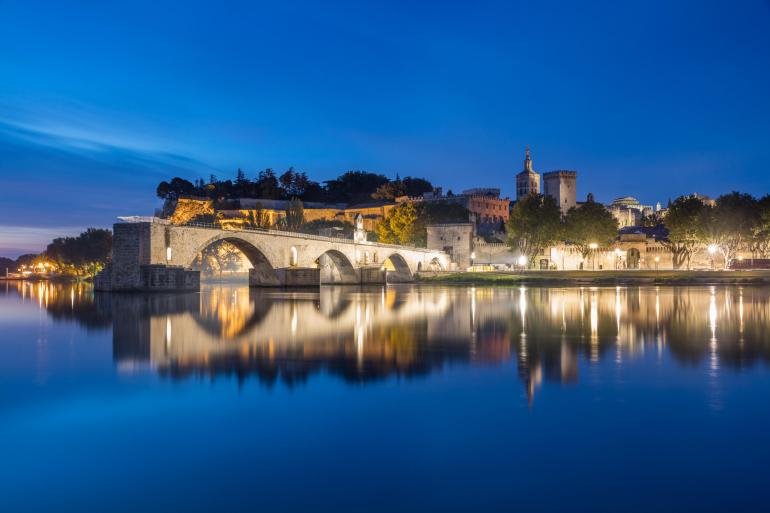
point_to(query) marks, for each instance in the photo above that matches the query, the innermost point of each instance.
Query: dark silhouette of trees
(350, 187)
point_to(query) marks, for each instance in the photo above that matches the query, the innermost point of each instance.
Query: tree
(682, 223)
(588, 224)
(407, 223)
(760, 232)
(407, 187)
(354, 186)
(257, 218)
(534, 224)
(267, 185)
(729, 224)
(84, 254)
(295, 214)
(401, 226)
(174, 189)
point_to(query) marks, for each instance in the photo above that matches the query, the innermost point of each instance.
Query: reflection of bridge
(153, 255)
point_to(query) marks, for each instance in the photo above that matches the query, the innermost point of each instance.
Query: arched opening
(397, 269)
(336, 269)
(234, 260)
(435, 265)
(632, 257)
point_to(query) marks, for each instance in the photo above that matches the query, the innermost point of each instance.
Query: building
(562, 187)
(628, 211)
(235, 213)
(488, 211)
(528, 181)
(455, 239)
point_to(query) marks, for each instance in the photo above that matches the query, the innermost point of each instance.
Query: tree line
(734, 222)
(350, 187)
(82, 255)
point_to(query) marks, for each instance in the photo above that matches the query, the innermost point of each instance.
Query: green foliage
(350, 187)
(408, 221)
(257, 218)
(85, 253)
(354, 186)
(729, 224)
(760, 231)
(295, 215)
(534, 224)
(682, 222)
(407, 187)
(589, 223)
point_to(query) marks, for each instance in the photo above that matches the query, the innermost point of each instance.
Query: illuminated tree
(534, 224)
(682, 223)
(295, 215)
(589, 224)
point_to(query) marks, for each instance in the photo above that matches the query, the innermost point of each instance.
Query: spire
(528, 162)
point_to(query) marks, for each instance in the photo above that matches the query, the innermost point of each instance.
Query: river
(397, 398)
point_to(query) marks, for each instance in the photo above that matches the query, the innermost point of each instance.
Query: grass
(599, 277)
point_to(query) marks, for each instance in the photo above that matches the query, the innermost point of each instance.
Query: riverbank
(599, 278)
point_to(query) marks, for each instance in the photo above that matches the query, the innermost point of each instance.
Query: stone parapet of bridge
(149, 255)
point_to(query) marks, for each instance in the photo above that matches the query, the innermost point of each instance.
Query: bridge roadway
(153, 254)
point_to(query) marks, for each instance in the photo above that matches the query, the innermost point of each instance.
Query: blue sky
(99, 101)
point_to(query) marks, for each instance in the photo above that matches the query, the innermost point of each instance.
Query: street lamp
(473, 257)
(617, 258)
(522, 261)
(712, 248)
(657, 259)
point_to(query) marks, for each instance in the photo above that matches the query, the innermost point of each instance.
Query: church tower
(528, 181)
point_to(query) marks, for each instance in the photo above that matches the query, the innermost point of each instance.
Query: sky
(100, 101)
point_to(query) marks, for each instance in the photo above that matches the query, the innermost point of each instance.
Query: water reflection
(361, 334)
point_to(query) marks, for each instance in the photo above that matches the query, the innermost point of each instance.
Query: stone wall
(453, 238)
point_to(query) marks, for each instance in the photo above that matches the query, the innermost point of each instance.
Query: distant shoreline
(596, 278)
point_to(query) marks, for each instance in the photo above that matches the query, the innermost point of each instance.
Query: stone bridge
(153, 254)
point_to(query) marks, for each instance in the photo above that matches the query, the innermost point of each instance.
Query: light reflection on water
(370, 333)
(385, 398)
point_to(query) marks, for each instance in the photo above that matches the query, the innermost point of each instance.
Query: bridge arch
(336, 268)
(262, 272)
(397, 268)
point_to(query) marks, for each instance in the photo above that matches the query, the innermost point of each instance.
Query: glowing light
(522, 260)
(473, 255)
(593, 245)
(712, 248)
(657, 259)
(168, 254)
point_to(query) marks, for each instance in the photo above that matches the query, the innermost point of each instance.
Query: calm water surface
(407, 398)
